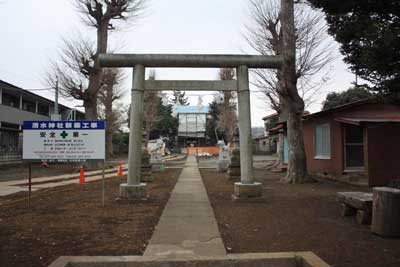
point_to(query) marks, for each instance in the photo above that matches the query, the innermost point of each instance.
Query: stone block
(247, 190)
(386, 212)
(127, 191)
(275, 259)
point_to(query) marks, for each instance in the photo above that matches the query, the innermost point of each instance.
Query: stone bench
(356, 203)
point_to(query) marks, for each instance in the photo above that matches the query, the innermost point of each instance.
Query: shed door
(354, 147)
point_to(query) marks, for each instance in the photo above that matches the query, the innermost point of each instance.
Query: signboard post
(63, 141)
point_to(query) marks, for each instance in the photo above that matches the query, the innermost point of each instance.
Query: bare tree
(306, 68)
(313, 51)
(292, 103)
(111, 110)
(227, 118)
(81, 57)
(151, 107)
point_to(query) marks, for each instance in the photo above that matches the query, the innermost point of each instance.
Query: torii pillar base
(131, 192)
(247, 190)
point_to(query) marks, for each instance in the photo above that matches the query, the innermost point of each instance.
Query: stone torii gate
(247, 187)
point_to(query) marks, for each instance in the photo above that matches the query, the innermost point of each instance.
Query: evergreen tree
(351, 95)
(166, 125)
(213, 132)
(369, 34)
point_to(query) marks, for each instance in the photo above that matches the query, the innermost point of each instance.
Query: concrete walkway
(187, 225)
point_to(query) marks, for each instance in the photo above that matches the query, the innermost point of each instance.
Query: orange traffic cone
(81, 176)
(120, 173)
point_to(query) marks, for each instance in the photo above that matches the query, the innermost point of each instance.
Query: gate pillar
(134, 189)
(247, 187)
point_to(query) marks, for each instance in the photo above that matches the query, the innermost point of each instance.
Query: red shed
(355, 142)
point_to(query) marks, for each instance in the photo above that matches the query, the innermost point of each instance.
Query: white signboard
(63, 140)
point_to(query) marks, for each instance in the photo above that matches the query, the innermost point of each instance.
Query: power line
(40, 89)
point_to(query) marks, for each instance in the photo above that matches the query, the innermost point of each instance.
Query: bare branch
(73, 68)
(313, 55)
(105, 13)
(227, 118)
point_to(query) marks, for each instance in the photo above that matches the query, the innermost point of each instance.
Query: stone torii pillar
(247, 187)
(134, 189)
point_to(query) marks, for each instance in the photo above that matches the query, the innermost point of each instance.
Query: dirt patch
(70, 220)
(297, 218)
(20, 171)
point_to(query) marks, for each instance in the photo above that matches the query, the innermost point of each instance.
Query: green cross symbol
(64, 134)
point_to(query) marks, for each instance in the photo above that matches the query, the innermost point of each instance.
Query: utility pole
(56, 98)
(56, 115)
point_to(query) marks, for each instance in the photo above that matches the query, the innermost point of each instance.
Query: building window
(322, 141)
(43, 109)
(10, 100)
(29, 106)
(354, 147)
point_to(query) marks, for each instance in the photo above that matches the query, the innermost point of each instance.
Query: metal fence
(10, 155)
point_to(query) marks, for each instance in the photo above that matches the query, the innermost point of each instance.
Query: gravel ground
(297, 218)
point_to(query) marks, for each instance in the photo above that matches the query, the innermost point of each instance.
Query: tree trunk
(110, 124)
(109, 142)
(102, 37)
(90, 104)
(293, 104)
(90, 99)
(297, 164)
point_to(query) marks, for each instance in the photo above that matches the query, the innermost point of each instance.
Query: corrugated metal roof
(192, 109)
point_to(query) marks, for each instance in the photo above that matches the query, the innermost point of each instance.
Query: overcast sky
(31, 35)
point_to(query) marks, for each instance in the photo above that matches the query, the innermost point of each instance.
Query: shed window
(323, 141)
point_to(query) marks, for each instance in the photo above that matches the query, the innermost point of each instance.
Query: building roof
(192, 110)
(277, 128)
(261, 137)
(392, 116)
(357, 121)
(270, 116)
(277, 115)
(340, 108)
(7, 85)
